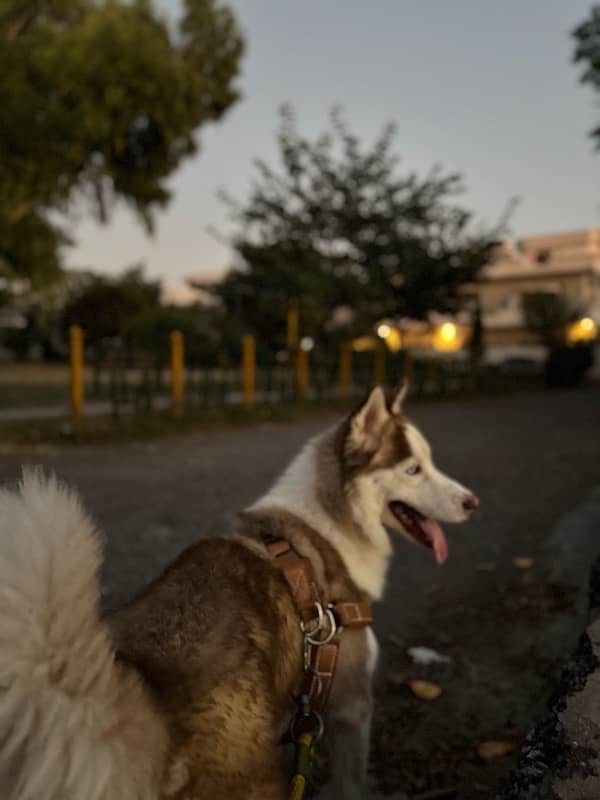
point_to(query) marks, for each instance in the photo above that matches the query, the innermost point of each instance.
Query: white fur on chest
(295, 491)
(373, 656)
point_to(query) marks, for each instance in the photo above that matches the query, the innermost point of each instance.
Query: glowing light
(448, 332)
(394, 340)
(582, 330)
(448, 337)
(307, 343)
(383, 330)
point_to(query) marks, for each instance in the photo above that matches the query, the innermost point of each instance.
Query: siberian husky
(184, 693)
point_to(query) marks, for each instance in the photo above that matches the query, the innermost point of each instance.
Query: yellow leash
(304, 767)
(298, 787)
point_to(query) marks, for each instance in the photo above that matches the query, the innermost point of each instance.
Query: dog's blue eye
(414, 470)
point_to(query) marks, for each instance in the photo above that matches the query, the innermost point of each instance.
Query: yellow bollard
(177, 372)
(345, 368)
(302, 373)
(248, 368)
(76, 365)
(379, 365)
(293, 326)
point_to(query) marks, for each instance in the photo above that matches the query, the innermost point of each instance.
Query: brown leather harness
(321, 626)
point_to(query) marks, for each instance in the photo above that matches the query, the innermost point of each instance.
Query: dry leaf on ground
(523, 562)
(494, 749)
(425, 690)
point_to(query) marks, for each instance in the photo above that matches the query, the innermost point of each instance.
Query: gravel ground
(533, 459)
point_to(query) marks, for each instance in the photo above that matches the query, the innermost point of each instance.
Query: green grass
(99, 430)
(33, 395)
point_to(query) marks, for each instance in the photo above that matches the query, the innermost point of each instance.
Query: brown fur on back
(216, 639)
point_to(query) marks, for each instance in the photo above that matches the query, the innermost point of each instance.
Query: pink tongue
(438, 539)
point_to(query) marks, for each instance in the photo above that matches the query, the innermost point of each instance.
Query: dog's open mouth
(423, 530)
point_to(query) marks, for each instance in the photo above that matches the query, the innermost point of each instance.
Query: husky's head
(389, 462)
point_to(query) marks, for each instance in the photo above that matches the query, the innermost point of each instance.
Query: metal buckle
(318, 625)
(324, 617)
(309, 635)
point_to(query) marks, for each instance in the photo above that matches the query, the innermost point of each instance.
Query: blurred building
(195, 291)
(567, 264)
(179, 295)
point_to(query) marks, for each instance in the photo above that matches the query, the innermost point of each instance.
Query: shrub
(567, 364)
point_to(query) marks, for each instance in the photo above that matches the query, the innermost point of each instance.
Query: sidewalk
(96, 409)
(561, 755)
(580, 721)
(105, 407)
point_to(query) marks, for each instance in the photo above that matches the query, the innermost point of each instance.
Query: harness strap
(321, 627)
(321, 660)
(318, 678)
(298, 574)
(353, 615)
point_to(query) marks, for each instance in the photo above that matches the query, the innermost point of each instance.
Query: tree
(40, 336)
(150, 330)
(587, 52)
(30, 247)
(339, 230)
(105, 307)
(547, 315)
(101, 100)
(476, 342)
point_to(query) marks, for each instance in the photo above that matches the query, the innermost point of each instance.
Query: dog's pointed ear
(398, 398)
(367, 424)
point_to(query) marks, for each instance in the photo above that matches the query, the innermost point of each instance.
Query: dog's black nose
(471, 502)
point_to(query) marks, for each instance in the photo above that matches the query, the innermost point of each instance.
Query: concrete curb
(560, 758)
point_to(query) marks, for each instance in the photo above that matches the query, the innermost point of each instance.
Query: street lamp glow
(448, 332)
(307, 343)
(448, 337)
(383, 330)
(582, 330)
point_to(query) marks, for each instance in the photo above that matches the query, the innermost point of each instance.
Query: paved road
(534, 460)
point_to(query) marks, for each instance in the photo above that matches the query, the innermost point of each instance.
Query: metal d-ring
(318, 730)
(309, 636)
(319, 623)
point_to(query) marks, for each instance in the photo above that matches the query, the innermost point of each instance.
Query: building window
(540, 256)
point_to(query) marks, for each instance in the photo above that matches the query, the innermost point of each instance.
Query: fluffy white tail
(74, 725)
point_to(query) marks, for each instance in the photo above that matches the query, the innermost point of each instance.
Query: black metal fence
(144, 388)
(118, 385)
